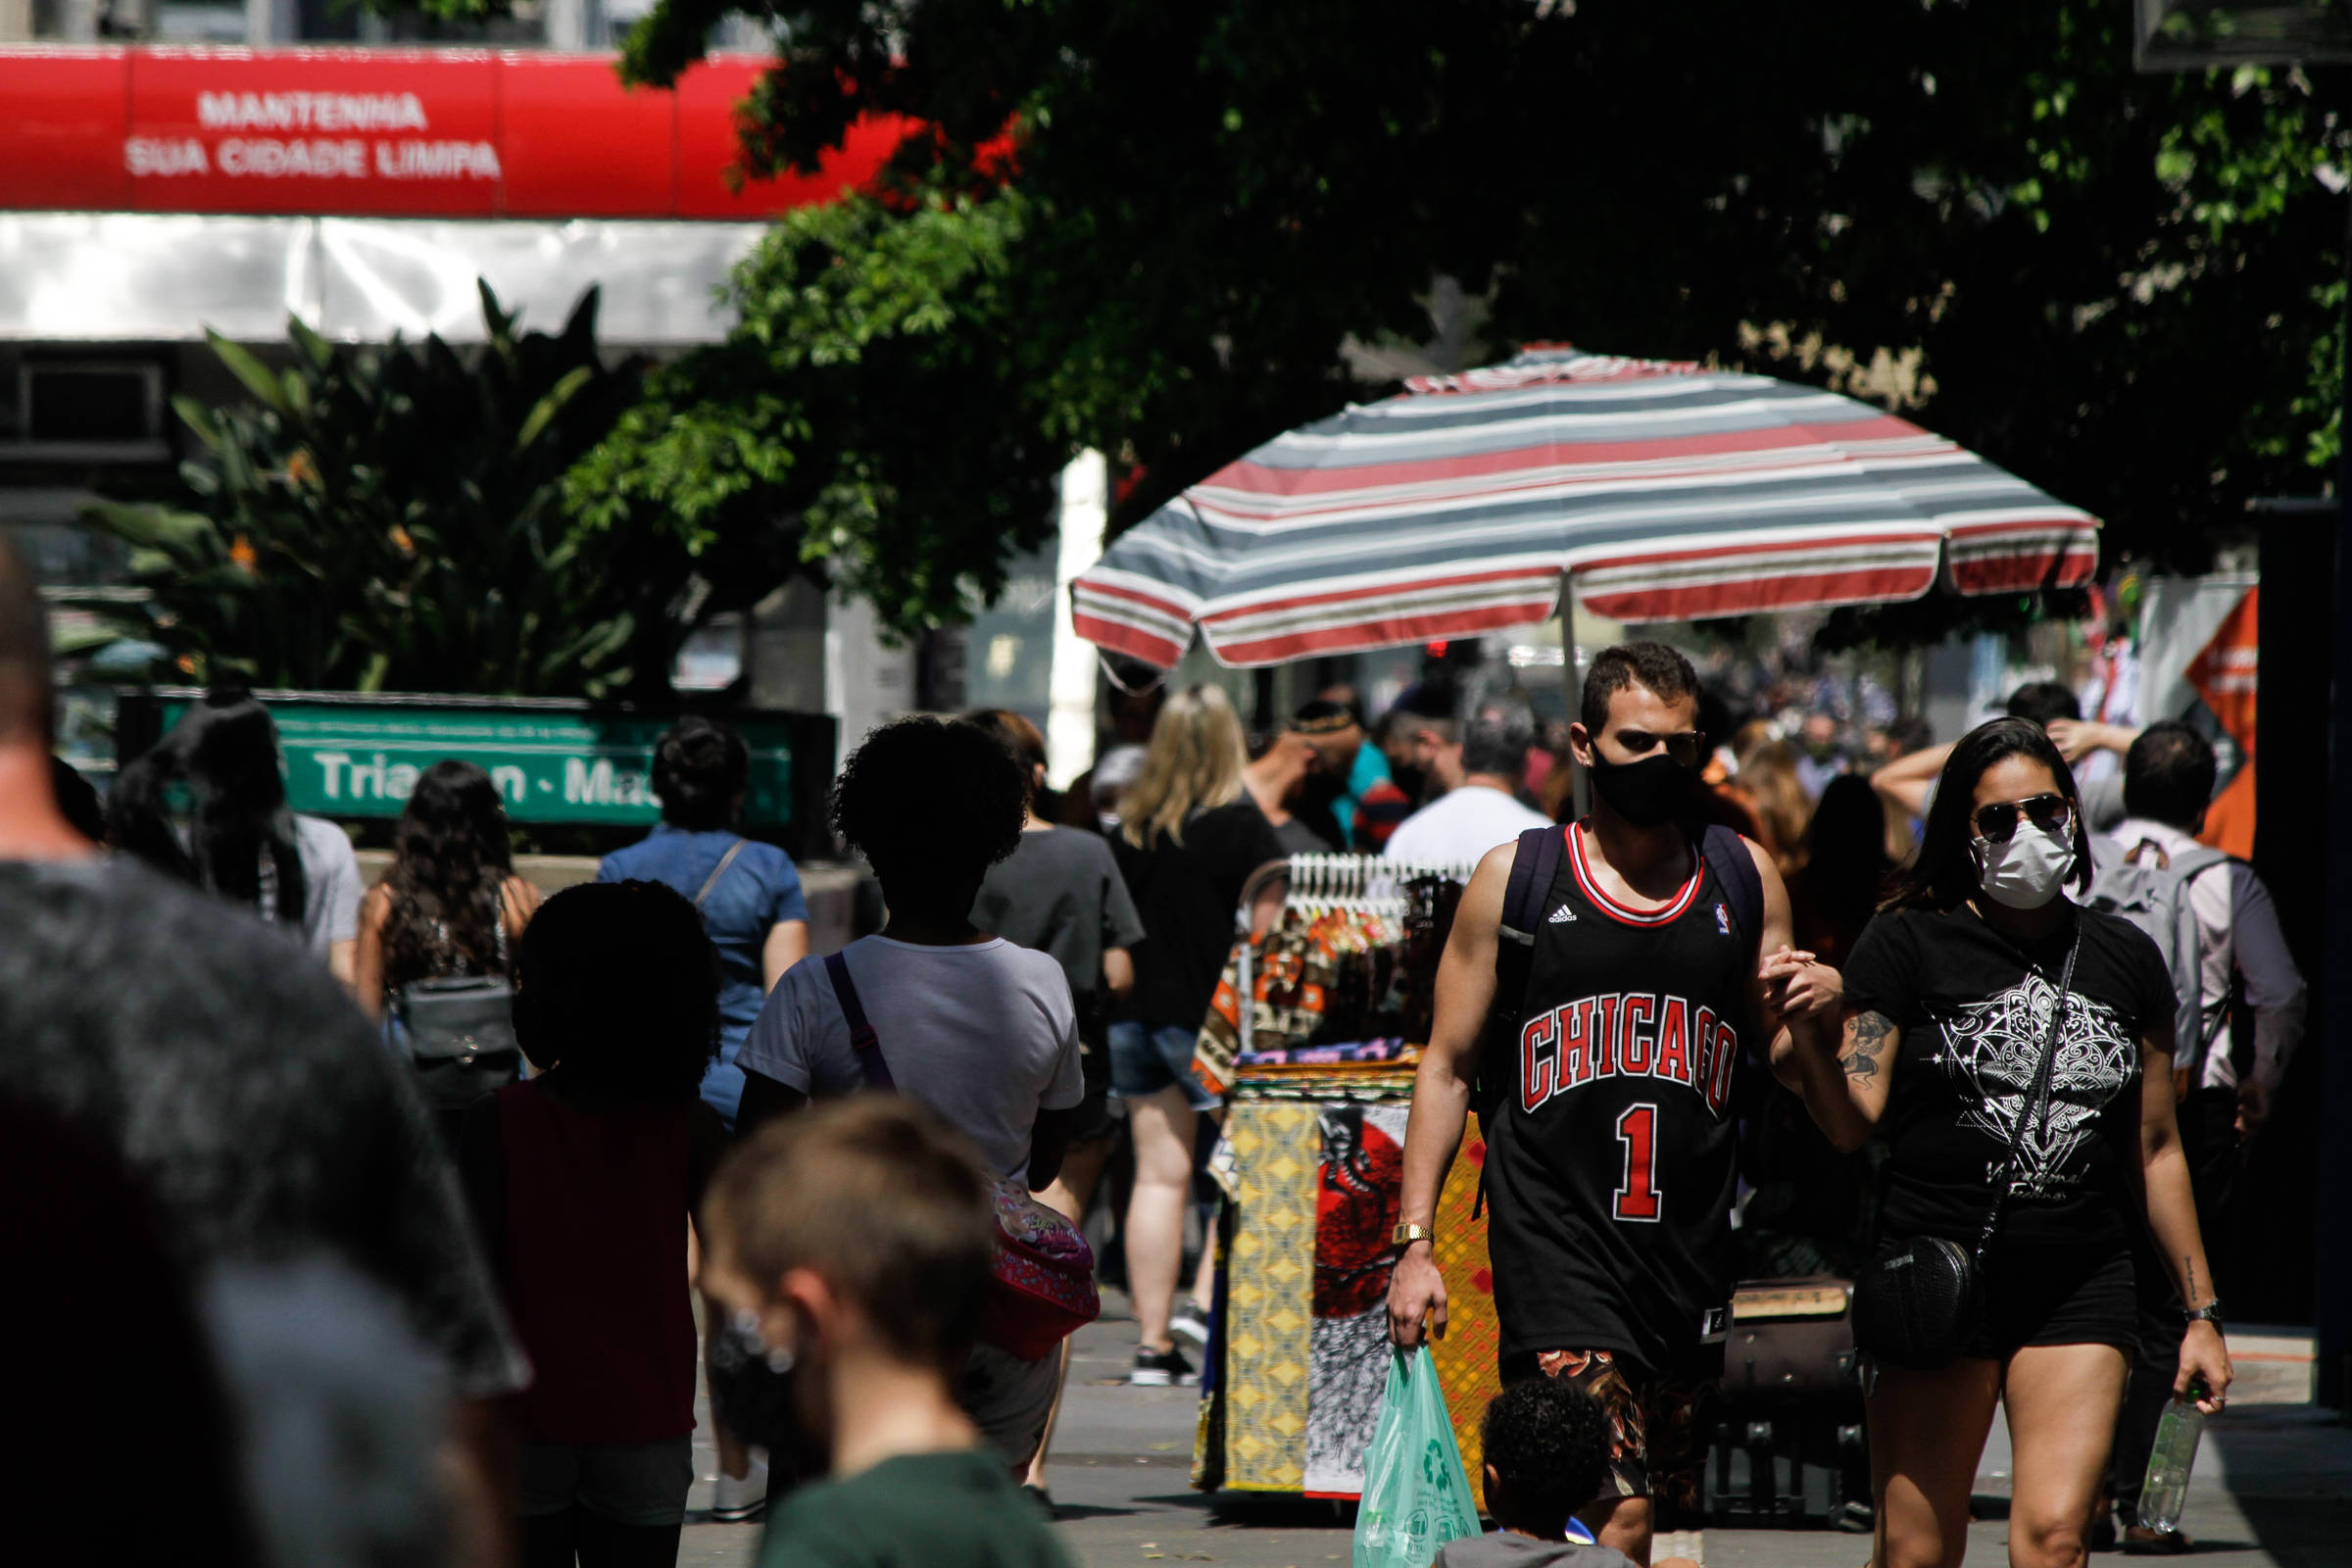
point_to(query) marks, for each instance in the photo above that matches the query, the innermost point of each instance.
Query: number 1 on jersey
(1638, 1130)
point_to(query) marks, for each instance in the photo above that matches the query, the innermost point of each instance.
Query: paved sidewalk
(2273, 1485)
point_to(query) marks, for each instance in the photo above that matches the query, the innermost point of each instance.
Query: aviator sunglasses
(1996, 822)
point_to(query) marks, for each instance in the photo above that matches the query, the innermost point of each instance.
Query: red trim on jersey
(1624, 913)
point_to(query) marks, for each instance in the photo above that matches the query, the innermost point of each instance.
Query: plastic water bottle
(2165, 1492)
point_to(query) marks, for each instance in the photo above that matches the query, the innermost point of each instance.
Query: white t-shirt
(330, 878)
(982, 1036)
(1460, 826)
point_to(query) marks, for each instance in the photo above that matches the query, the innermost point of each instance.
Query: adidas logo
(1562, 915)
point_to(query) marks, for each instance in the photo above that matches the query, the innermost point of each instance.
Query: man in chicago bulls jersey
(1605, 1087)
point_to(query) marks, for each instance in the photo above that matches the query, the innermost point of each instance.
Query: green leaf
(544, 412)
(246, 369)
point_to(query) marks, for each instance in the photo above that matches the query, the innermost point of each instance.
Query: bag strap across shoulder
(862, 1039)
(719, 870)
(2038, 1101)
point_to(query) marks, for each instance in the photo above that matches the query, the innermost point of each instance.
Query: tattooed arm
(1845, 1095)
(2172, 1220)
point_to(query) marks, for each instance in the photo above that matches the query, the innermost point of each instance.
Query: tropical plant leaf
(246, 369)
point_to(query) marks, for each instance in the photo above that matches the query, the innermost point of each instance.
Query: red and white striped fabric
(1658, 490)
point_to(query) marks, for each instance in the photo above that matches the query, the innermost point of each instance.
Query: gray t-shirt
(235, 1076)
(1062, 893)
(1503, 1550)
(330, 878)
(981, 1035)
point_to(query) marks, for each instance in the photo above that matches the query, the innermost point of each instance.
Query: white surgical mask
(2025, 873)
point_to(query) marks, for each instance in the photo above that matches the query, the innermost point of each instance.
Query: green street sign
(554, 761)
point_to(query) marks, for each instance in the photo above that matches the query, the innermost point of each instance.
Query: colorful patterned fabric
(1278, 1421)
(1656, 1429)
(1267, 1330)
(1662, 491)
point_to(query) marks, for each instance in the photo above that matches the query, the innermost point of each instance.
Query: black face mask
(1411, 779)
(1647, 793)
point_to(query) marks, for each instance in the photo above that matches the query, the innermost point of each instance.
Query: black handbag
(1918, 1303)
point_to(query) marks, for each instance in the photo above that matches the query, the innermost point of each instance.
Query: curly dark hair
(1548, 1442)
(930, 802)
(700, 770)
(1660, 669)
(618, 984)
(450, 864)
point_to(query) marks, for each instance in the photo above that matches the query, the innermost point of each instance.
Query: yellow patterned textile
(1468, 1356)
(1269, 1314)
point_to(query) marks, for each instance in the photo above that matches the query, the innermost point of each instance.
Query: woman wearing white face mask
(2015, 1050)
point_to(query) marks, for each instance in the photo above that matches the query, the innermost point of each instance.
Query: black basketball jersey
(1610, 1153)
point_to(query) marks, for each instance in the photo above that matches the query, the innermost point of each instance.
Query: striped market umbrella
(1655, 490)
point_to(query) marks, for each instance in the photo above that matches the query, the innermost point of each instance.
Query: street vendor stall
(1318, 1073)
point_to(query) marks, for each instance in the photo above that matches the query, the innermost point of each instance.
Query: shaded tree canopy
(1151, 228)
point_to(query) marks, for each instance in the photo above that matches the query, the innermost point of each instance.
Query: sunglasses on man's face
(1996, 822)
(1685, 747)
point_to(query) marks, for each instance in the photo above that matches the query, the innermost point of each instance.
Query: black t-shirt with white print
(1974, 1006)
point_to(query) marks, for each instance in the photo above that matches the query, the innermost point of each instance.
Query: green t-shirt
(956, 1509)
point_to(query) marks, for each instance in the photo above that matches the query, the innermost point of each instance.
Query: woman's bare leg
(2062, 1401)
(1927, 1433)
(1162, 1122)
(1071, 1196)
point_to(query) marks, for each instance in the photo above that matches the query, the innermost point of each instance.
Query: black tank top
(1611, 1158)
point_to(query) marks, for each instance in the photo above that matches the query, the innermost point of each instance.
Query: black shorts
(2054, 1295)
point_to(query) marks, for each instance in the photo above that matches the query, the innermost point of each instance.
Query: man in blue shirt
(749, 893)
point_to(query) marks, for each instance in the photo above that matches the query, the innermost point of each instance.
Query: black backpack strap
(1727, 854)
(1534, 866)
(862, 1039)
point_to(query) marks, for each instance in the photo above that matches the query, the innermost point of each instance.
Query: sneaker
(1159, 1369)
(2141, 1542)
(732, 1501)
(1043, 1499)
(1191, 1322)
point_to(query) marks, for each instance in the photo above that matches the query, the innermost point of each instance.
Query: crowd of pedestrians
(555, 1163)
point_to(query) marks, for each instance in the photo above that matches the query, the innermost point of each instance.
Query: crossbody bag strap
(2037, 1103)
(862, 1039)
(719, 870)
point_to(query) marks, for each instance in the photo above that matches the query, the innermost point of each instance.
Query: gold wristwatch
(1406, 1235)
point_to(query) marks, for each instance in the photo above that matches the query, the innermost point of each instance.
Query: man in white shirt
(2168, 778)
(1477, 774)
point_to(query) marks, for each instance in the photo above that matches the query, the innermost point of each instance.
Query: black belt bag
(1919, 1302)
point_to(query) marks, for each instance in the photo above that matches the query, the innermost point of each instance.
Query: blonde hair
(1767, 780)
(1196, 761)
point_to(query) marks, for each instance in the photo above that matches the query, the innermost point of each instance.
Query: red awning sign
(389, 132)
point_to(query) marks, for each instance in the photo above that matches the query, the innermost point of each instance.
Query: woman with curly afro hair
(980, 1031)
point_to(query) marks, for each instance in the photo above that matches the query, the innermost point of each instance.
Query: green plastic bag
(1416, 1495)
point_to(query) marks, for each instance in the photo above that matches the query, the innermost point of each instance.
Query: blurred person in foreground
(233, 1076)
(92, 1269)
(977, 1029)
(583, 1180)
(1188, 838)
(1061, 893)
(2225, 910)
(1475, 766)
(853, 1241)
(241, 841)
